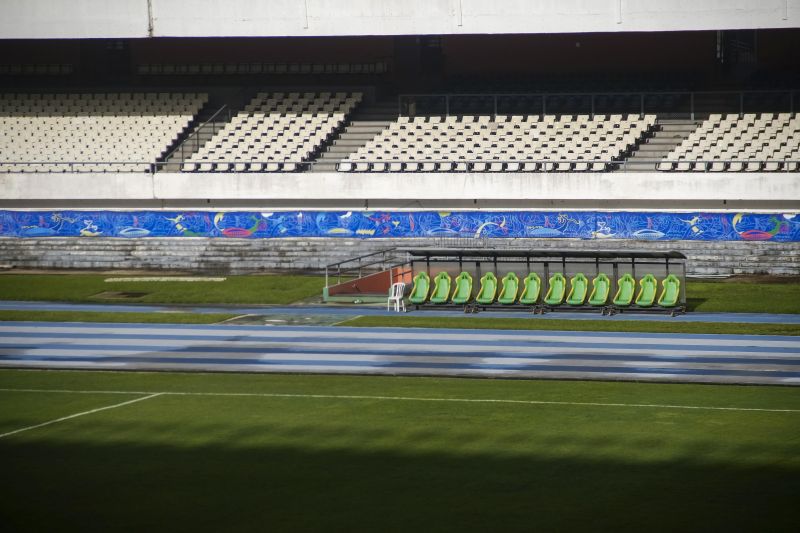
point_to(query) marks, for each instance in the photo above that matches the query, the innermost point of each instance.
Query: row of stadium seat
(116, 132)
(507, 143)
(438, 292)
(275, 131)
(734, 143)
(195, 69)
(282, 131)
(51, 69)
(26, 98)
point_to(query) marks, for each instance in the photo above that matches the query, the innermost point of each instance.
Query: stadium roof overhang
(549, 253)
(83, 19)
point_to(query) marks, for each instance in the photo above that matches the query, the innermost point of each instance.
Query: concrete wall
(55, 19)
(255, 255)
(622, 190)
(38, 19)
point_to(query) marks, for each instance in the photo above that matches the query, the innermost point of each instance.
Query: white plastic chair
(396, 297)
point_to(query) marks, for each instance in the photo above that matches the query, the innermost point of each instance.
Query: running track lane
(407, 351)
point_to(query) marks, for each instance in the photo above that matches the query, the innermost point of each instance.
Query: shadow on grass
(693, 303)
(60, 486)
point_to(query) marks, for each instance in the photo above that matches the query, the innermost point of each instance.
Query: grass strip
(742, 297)
(94, 316)
(729, 328)
(278, 290)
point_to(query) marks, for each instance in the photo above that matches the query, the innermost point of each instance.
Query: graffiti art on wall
(377, 224)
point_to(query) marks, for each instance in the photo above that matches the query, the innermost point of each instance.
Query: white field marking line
(399, 398)
(76, 415)
(346, 320)
(161, 278)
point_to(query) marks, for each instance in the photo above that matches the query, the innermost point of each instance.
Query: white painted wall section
(621, 186)
(224, 18)
(83, 186)
(56, 19)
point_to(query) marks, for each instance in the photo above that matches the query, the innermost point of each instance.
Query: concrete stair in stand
(669, 134)
(367, 122)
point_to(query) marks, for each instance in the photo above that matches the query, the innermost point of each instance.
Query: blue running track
(403, 351)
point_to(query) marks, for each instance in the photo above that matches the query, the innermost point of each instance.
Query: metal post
(691, 105)
(741, 104)
(547, 275)
(592, 105)
(494, 98)
(641, 105)
(615, 274)
(683, 283)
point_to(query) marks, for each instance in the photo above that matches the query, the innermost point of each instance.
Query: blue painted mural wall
(378, 224)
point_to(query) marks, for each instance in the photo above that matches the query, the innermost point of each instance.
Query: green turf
(707, 296)
(278, 290)
(743, 297)
(220, 463)
(533, 323)
(92, 316)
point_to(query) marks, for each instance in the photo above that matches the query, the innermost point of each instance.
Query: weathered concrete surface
(253, 255)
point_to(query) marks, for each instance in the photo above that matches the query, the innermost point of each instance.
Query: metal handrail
(195, 132)
(150, 164)
(359, 267)
(470, 163)
(306, 165)
(641, 94)
(608, 162)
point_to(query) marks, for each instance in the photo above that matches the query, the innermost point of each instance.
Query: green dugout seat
(532, 286)
(648, 287)
(671, 291)
(508, 294)
(601, 286)
(625, 291)
(422, 286)
(463, 289)
(488, 289)
(578, 288)
(441, 288)
(558, 288)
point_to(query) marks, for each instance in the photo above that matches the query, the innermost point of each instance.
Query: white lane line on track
(84, 413)
(191, 359)
(176, 349)
(544, 336)
(392, 398)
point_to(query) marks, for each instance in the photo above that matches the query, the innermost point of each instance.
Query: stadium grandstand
(651, 124)
(394, 266)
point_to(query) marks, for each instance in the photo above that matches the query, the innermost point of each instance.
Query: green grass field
(534, 323)
(706, 296)
(108, 317)
(743, 296)
(279, 290)
(372, 454)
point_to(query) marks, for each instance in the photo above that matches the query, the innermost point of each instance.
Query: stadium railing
(685, 103)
